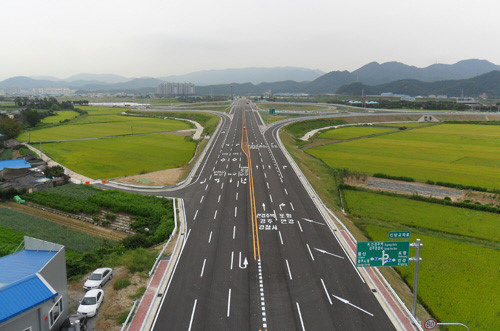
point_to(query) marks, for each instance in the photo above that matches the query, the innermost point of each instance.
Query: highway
(257, 254)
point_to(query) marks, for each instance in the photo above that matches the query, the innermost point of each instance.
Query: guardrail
(129, 314)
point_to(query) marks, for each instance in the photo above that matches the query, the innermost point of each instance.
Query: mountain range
(260, 80)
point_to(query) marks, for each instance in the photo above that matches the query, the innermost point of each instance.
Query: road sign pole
(415, 259)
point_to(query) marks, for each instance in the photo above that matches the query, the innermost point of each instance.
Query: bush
(110, 217)
(67, 204)
(96, 219)
(105, 223)
(139, 260)
(135, 241)
(403, 178)
(121, 283)
(120, 319)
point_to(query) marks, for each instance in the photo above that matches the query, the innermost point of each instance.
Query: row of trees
(43, 103)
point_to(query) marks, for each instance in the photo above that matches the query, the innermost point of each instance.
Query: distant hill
(103, 78)
(246, 75)
(488, 83)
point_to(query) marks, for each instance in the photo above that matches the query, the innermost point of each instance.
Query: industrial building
(175, 89)
(33, 287)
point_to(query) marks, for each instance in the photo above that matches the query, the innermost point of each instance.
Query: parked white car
(98, 278)
(91, 302)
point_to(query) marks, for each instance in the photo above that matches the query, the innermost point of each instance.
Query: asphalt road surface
(257, 253)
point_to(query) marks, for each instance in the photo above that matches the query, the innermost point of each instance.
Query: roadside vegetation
(461, 241)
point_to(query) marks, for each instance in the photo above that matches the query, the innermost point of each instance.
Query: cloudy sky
(161, 37)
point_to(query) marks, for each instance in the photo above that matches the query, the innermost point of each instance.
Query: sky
(138, 38)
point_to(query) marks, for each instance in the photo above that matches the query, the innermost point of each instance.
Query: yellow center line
(246, 149)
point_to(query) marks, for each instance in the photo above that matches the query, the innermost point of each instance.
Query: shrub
(121, 317)
(67, 204)
(105, 223)
(96, 219)
(139, 260)
(139, 293)
(447, 198)
(110, 217)
(403, 178)
(135, 241)
(121, 283)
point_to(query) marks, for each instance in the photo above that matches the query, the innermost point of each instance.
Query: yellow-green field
(61, 115)
(408, 125)
(456, 153)
(122, 156)
(459, 258)
(353, 132)
(106, 125)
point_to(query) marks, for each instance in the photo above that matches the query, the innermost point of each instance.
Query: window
(55, 312)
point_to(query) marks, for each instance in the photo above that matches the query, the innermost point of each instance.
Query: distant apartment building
(12, 90)
(175, 89)
(33, 287)
(52, 91)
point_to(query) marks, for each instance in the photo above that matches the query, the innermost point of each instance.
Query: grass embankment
(285, 106)
(352, 132)
(453, 153)
(461, 248)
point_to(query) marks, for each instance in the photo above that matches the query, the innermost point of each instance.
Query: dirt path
(91, 229)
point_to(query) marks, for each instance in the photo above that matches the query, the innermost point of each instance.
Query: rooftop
(14, 164)
(22, 264)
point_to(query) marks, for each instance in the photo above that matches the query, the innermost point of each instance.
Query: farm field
(452, 264)
(408, 125)
(61, 115)
(122, 156)
(105, 125)
(456, 153)
(420, 214)
(353, 132)
(457, 281)
(46, 230)
(9, 240)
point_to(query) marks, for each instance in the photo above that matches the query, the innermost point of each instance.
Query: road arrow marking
(264, 206)
(245, 263)
(325, 252)
(311, 221)
(282, 205)
(204, 181)
(350, 304)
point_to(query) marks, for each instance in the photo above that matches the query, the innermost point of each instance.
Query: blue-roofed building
(15, 164)
(33, 287)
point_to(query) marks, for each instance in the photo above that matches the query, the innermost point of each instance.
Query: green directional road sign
(272, 111)
(399, 234)
(382, 253)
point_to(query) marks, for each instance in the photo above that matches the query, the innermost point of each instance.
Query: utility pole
(415, 259)
(41, 153)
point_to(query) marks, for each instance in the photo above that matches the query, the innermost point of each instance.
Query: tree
(32, 117)
(10, 127)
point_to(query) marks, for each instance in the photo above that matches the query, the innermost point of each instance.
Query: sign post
(415, 259)
(382, 253)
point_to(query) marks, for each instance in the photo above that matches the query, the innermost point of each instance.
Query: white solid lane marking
(195, 214)
(232, 256)
(300, 316)
(298, 222)
(210, 237)
(291, 205)
(228, 302)
(215, 214)
(281, 238)
(270, 197)
(201, 199)
(234, 231)
(350, 304)
(235, 211)
(192, 315)
(218, 200)
(286, 192)
(309, 249)
(325, 252)
(326, 291)
(311, 221)
(203, 268)
(289, 272)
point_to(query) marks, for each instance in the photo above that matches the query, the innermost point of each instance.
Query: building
(33, 287)
(175, 89)
(52, 91)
